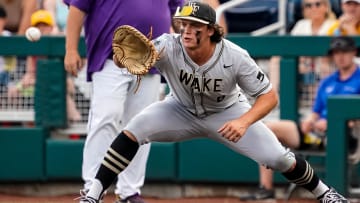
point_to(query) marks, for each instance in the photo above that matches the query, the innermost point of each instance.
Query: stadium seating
(251, 15)
(255, 14)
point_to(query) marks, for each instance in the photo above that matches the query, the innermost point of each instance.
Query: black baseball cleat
(260, 194)
(136, 198)
(331, 196)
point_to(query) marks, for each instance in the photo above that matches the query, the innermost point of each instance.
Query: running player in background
(205, 73)
(113, 102)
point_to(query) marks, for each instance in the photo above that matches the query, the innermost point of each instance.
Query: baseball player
(113, 101)
(205, 73)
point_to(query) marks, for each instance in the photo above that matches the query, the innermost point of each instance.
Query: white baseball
(33, 34)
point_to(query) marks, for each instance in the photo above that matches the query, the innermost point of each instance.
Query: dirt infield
(5, 198)
(64, 192)
(70, 199)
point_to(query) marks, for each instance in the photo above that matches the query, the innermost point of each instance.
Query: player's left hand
(233, 130)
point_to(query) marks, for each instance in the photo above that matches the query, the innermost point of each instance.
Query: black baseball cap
(342, 43)
(197, 11)
(356, 1)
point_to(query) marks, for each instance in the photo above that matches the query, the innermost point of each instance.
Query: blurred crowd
(49, 16)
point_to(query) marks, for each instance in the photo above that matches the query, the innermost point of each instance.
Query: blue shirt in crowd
(332, 85)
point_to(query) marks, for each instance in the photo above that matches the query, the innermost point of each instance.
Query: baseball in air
(33, 34)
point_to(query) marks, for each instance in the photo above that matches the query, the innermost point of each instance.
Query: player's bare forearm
(262, 106)
(72, 60)
(74, 24)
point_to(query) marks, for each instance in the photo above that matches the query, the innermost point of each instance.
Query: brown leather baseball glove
(133, 50)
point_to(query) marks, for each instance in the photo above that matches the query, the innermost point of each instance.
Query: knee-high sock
(117, 158)
(303, 175)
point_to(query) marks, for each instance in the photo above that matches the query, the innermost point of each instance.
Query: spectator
(43, 20)
(318, 17)
(3, 16)
(114, 87)
(7, 64)
(349, 22)
(59, 11)
(346, 80)
(18, 20)
(21, 11)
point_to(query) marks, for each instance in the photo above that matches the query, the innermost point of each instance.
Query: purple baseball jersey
(104, 16)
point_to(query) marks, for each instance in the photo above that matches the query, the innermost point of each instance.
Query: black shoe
(136, 198)
(260, 194)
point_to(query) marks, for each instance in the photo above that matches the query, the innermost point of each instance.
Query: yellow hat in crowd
(42, 16)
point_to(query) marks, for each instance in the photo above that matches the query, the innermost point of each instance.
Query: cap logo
(192, 8)
(196, 11)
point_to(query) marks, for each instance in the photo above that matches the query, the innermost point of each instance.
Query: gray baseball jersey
(213, 86)
(203, 98)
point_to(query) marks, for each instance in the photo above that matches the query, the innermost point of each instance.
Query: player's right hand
(234, 130)
(73, 62)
